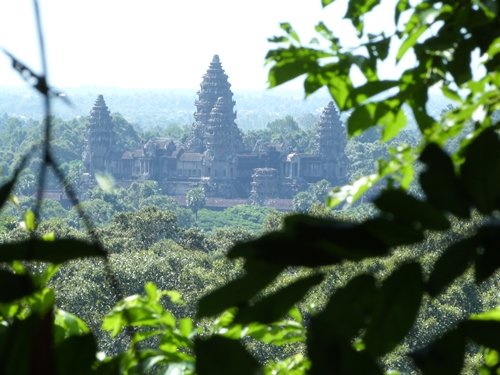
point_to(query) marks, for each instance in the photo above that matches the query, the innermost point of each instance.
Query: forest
(395, 272)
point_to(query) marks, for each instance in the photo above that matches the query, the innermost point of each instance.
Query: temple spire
(214, 85)
(100, 137)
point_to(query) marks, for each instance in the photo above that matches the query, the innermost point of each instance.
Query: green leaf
(14, 286)
(451, 264)
(287, 27)
(392, 123)
(55, 251)
(357, 9)
(407, 208)
(239, 291)
(29, 220)
(444, 356)
(325, 3)
(218, 355)
(274, 306)
(480, 172)
(361, 119)
(410, 41)
(396, 309)
(372, 88)
(67, 325)
(186, 327)
(440, 184)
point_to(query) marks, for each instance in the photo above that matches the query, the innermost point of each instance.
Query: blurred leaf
(55, 251)
(394, 232)
(14, 286)
(76, 354)
(480, 172)
(326, 2)
(484, 332)
(5, 190)
(238, 292)
(396, 309)
(444, 356)
(440, 183)
(357, 9)
(488, 259)
(452, 263)
(407, 208)
(274, 306)
(106, 182)
(410, 41)
(29, 220)
(218, 355)
(67, 325)
(287, 27)
(186, 327)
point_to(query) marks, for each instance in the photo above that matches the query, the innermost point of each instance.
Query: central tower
(214, 86)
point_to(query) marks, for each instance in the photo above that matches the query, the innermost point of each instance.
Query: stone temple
(215, 157)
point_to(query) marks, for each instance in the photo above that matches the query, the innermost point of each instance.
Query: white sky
(157, 43)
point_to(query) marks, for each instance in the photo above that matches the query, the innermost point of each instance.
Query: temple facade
(214, 157)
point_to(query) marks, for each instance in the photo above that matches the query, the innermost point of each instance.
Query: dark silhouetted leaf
(440, 183)
(481, 171)
(483, 332)
(76, 355)
(240, 291)
(443, 357)
(273, 307)
(219, 355)
(488, 260)
(393, 232)
(349, 308)
(309, 241)
(396, 309)
(451, 264)
(5, 191)
(57, 251)
(329, 341)
(14, 286)
(406, 207)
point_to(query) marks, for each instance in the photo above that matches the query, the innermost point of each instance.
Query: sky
(158, 43)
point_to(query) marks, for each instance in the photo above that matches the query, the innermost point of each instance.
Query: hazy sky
(157, 43)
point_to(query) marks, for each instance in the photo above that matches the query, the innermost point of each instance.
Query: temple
(215, 156)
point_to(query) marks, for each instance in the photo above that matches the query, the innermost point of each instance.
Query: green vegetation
(407, 284)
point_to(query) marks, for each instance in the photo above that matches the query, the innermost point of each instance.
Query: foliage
(371, 314)
(196, 199)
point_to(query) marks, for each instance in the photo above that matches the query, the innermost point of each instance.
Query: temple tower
(331, 140)
(100, 138)
(213, 86)
(222, 141)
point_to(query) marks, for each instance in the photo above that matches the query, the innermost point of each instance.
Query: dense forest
(395, 272)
